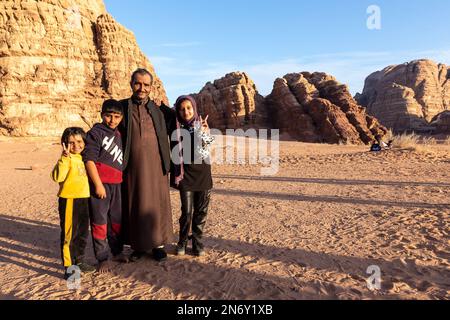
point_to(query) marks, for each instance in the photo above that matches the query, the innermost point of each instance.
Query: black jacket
(163, 118)
(197, 172)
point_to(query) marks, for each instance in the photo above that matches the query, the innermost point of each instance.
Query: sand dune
(309, 232)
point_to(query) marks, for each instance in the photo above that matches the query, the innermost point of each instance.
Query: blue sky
(193, 42)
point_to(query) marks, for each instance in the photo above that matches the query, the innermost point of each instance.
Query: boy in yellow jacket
(73, 203)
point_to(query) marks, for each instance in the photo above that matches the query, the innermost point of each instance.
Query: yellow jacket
(72, 177)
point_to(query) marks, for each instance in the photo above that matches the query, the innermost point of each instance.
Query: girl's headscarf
(180, 120)
(179, 168)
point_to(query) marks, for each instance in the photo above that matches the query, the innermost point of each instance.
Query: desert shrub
(409, 141)
(429, 141)
(447, 141)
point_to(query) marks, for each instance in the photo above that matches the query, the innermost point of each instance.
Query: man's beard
(140, 100)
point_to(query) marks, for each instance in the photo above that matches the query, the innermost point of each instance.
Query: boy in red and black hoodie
(103, 157)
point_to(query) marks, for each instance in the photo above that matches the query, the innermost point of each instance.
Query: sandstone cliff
(314, 107)
(441, 123)
(58, 61)
(232, 102)
(408, 96)
(307, 107)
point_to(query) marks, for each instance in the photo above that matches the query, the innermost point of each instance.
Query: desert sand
(310, 232)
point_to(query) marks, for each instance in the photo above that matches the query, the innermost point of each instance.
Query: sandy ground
(309, 232)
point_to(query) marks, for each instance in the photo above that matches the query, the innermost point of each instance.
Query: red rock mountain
(232, 102)
(408, 96)
(309, 107)
(58, 61)
(314, 107)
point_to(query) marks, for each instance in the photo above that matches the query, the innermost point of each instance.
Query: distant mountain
(407, 97)
(309, 107)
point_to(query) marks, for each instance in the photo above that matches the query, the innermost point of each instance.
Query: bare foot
(121, 258)
(104, 267)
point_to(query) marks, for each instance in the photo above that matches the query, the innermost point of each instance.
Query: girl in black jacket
(191, 172)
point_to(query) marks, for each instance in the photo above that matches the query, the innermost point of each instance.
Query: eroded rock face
(58, 61)
(232, 102)
(314, 107)
(441, 123)
(308, 107)
(407, 97)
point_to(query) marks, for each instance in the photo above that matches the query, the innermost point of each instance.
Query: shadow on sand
(329, 199)
(225, 280)
(27, 237)
(397, 184)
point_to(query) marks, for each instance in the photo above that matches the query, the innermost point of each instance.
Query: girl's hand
(204, 122)
(100, 192)
(66, 152)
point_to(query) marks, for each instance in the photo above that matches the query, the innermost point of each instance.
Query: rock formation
(316, 108)
(58, 61)
(308, 107)
(407, 97)
(441, 123)
(232, 102)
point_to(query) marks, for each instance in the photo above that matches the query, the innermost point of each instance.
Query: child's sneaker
(67, 274)
(181, 249)
(197, 248)
(198, 252)
(86, 268)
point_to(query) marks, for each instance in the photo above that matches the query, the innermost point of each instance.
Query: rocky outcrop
(314, 107)
(308, 107)
(232, 102)
(441, 123)
(407, 97)
(58, 61)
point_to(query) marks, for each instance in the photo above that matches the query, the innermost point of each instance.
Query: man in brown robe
(147, 216)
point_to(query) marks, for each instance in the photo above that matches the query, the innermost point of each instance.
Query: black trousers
(194, 210)
(106, 222)
(74, 222)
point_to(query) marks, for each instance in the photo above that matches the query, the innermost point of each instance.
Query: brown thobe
(149, 211)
